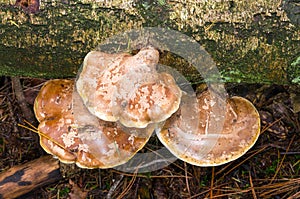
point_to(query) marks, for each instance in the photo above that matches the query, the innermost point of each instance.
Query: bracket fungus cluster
(103, 145)
(104, 117)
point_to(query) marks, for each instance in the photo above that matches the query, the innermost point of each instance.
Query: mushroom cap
(53, 109)
(95, 66)
(150, 102)
(109, 142)
(239, 133)
(117, 92)
(51, 100)
(76, 136)
(107, 147)
(65, 143)
(101, 73)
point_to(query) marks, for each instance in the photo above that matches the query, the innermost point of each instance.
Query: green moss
(246, 47)
(294, 71)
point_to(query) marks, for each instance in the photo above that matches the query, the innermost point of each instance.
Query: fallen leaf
(76, 192)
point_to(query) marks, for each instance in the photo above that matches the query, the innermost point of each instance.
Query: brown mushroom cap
(240, 131)
(68, 137)
(53, 109)
(151, 102)
(110, 143)
(125, 89)
(95, 65)
(51, 100)
(99, 78)
(65, 144)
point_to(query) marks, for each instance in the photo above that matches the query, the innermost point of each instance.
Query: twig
(152, 176)
(18, 90)
(113, 187)
(252, 187)
(283, 158)
(212, 182)
(296, 195)
(12, 116)
(128, 186)
(270, 190)
(187, 179)
(290, 153)
(241, 162)
(266, 127)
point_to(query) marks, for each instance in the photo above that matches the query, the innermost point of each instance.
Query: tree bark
(250, 41)
(21, 179)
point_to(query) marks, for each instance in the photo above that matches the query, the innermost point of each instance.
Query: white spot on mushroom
(131, 139)
(68, 121)
(83, 147)
(68, 138)
(113, 148)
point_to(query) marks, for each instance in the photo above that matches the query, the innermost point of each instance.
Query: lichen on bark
(250, 41)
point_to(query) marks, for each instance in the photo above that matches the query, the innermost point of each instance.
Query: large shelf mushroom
(239, 132)
(105, 145)
(111, 111)
(104, 117)
(125, 88)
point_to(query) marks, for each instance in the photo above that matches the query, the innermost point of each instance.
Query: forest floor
(271, 169)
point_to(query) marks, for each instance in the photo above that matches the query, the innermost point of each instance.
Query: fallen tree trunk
(21, 179)
(250, 41)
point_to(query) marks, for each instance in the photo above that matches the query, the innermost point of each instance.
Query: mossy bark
(250, 41)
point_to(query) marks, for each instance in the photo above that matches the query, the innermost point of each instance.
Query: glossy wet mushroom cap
(59, 137)
(53, 109)
(52, 100)
(239, 133)
(82, 139)
(109, 142)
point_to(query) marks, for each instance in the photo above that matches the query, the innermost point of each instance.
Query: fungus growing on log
(106, 145)
(125, 88)
(104, 117)
(238, 134)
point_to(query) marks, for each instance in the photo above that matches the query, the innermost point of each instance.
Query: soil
(271, 169)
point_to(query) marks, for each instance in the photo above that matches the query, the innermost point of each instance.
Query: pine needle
(35, 130)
